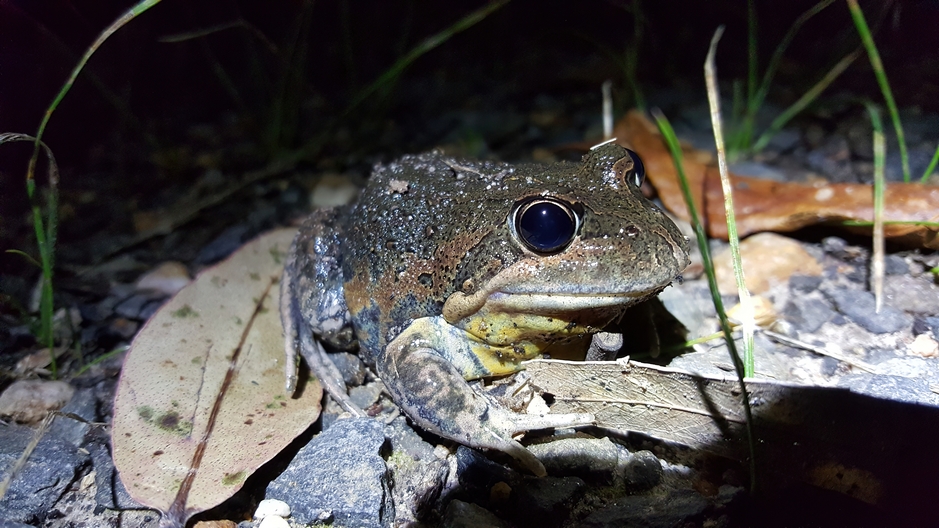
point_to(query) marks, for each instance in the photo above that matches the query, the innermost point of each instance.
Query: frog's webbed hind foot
(434, 394)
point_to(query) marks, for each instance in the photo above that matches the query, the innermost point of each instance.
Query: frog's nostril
(545, 226)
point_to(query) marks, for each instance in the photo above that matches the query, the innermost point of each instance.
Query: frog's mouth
(459, 305)
(561, 302)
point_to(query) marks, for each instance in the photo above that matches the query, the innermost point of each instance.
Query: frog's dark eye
(544, 225)
(631, 168)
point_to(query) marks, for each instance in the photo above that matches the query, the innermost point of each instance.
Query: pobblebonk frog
(448, 270)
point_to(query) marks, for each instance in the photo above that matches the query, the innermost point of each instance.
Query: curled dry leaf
(201, 404)
(800, 432)
(765, 205)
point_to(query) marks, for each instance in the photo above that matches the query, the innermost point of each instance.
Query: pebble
(673, 508)
(588, 457)
(29, 401)
(924, 346)
(461, 514)
(333, 190)
(808, 314)
(344, 474)
(48, 472)
(166, 279)
(545, 501)
(768, 259)
(269, 507)
(273, 521)
(858, 306)
(911, 294)
(643, 471)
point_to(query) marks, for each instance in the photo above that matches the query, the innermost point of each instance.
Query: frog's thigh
(424, 369)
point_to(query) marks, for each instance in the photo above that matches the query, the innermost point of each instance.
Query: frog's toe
(436, 397)
(531, 422)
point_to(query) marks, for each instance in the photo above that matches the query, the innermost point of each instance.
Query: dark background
(526, 49)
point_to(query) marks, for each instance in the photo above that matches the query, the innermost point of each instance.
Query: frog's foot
(433, 394)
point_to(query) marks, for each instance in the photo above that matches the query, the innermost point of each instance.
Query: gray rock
(643, 470)
(475, 471)
(896, 388)
(51, 467)
(895, 265)
(805, 283)
(350, 366)
(933, 324)
(858, 306)
(461, 514)
(912, 294)
(676, 508)
(806, 313)
(223, 245)
(135, 306)
(545, 501)
(83, 404)
(596, 459)
(339, 475)
(419, 475)
(109, 490)
(364, 396)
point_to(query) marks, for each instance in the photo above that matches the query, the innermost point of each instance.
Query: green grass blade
(877, 260)
(878, 66)
(46, 231)
(671, 140)
(748, 323)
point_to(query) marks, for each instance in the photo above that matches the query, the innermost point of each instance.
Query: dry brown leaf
(200, 404)
(765, 205)
(800, 431)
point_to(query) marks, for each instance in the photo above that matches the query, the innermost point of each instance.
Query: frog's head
(577, 246)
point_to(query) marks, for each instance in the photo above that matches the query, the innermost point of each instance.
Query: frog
(449, 270)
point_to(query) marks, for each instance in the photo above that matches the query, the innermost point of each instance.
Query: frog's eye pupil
(545, 226)
(639, 170)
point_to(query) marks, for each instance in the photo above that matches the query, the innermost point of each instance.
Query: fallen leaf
(800, 432)
(765, 205)
(201, 404)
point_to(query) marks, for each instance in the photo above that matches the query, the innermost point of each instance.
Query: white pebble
(167, 278)
(28, 401)
(269, 507)
(273, 522)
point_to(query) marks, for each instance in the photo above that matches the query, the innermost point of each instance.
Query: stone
(545, 501)
(461, 514)
(48, 472)
(807, 314)
(269, 507)
(805, 283)
(858, 306)
(768, 259)
(676, 508)
(29, 401)
(585, 457)
(911, 294)
(895, 265)
(924, 346)
(339, 475)
(165, 279)
(643, 470)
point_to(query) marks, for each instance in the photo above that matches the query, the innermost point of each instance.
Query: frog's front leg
(425, 369)
(312, 304)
